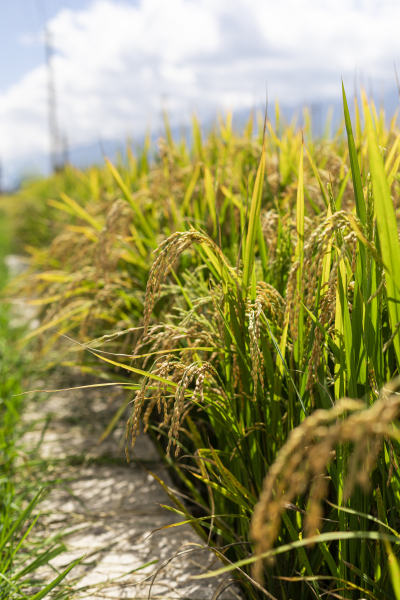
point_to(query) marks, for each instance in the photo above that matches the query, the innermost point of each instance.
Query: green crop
(260, 339)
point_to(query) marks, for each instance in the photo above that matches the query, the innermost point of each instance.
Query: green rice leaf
(394, 569)
(253, 221)
(355, 169)
(309, 541)
(386, 223)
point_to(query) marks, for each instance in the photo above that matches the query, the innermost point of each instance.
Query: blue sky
(117, 61)
(20, 18)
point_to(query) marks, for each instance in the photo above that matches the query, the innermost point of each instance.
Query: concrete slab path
(109, 509)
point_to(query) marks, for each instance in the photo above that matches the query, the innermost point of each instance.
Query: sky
(117, 62)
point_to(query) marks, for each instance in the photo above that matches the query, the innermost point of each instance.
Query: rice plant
(90, 277)
(281, 357)
(266, 332)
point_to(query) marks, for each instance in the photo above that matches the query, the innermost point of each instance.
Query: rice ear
(302, 462)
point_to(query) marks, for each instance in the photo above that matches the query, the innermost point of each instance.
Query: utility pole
(65, 150)
(51, 105)
(58, 145)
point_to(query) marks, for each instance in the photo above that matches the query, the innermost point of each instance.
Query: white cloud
(115, 62)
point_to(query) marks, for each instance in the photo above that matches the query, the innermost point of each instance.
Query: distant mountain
(92, 153)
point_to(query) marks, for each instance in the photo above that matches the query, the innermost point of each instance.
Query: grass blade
(56, 581)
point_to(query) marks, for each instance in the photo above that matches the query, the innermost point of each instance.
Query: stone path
(109, 509)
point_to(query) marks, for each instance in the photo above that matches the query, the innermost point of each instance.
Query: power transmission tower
(51, 105)
(65, 150)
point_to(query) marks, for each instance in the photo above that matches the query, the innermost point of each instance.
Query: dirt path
(110, 509)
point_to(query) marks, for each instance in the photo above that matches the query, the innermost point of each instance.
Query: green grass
(22, 551)
(274, 293)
